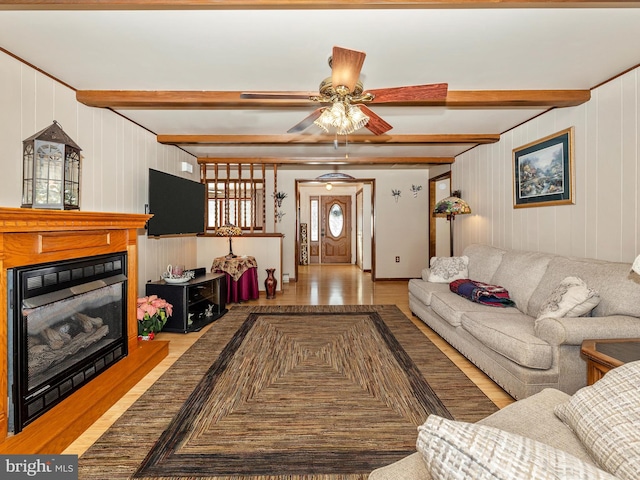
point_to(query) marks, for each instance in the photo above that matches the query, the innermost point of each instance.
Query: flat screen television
(177, 205)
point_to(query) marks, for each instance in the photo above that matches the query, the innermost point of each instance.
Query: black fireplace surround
(67, 324)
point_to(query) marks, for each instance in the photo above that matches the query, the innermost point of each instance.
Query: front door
(335, 233)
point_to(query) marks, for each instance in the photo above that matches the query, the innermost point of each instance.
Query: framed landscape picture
(543, 171)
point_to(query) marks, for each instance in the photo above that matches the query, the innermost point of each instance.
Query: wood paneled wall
(116, 156)
(604, 223)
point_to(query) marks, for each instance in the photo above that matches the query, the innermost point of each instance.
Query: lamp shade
(451, 206)
(229, 230)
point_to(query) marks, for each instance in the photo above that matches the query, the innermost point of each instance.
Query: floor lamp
(450, 207)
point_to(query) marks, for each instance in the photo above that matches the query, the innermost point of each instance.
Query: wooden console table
(603, 355)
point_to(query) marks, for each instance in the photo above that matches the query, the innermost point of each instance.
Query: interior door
(335, 231)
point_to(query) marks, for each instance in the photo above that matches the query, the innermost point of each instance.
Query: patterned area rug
(288, 392)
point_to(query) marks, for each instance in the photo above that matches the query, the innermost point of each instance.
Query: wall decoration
(279, 215)
(304, 244)
(279, 197)
(415, 189)
(396, 194)
(543, 171)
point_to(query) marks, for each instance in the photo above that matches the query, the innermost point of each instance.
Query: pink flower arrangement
(152, 314)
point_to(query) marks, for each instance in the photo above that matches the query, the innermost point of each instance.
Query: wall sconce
(51, 170)
(396, 194)
(328, 186)
(279, 197)
(415, 189)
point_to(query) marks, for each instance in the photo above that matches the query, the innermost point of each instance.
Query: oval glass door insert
(336, 220)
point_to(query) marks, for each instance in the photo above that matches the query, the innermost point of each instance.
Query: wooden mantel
(32, 237)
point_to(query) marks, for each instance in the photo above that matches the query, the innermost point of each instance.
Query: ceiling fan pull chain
(346, 146)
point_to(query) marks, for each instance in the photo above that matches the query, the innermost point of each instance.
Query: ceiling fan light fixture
(343, 117)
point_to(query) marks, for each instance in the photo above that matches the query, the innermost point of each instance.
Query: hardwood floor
(316, 285)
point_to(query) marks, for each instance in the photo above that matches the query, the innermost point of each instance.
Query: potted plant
(152, 314)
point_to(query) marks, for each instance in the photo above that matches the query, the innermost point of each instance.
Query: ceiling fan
(345, 94)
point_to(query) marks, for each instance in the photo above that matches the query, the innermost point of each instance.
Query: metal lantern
(51, 170)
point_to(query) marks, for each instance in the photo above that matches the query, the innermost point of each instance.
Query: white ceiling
(279, 49)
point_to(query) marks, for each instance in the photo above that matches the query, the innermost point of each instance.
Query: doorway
(439, 231)
(314, 196)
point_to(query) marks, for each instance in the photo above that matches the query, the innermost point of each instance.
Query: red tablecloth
(245, 288)
(245, 270)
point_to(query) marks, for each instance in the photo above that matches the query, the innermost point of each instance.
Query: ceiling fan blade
(278, 95)
(435, 91)
(345, 67)
(307, 122)
(376, 124)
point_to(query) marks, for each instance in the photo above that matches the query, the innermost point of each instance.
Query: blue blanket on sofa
(492, 295)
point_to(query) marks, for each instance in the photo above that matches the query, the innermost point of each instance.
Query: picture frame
(543, 171)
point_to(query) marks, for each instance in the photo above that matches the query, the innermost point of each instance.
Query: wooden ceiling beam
(436, 139)
(302, 4)
(175, 99)
(328, 160)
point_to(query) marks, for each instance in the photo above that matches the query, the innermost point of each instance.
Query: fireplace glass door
(68, 327)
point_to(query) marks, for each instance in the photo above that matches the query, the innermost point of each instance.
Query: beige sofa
(592, 434)
(522, 351)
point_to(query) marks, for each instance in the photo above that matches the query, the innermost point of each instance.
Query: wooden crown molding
(327, 160)
(176, 99)
(303, 4)
(441, 139)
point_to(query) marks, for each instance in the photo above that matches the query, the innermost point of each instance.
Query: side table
(603, 355)
(242, 277)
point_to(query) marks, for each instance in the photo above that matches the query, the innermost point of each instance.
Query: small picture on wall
(543, 171)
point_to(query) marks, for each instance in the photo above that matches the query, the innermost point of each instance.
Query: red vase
(270, 283)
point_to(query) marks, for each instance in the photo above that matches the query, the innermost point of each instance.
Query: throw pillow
(606, 418)
(572, 298)
(448, 269)
(456, 450)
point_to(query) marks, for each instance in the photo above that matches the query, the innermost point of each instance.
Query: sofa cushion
(510, 335)
(451, 307)
(484, 260)
(533, 417)
(423, 290)
(571, 298)
(520, 273)
(618, 289)
(606, 418)
(448, 269)
(459, 450)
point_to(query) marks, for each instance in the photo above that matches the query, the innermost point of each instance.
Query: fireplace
(67, 324)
